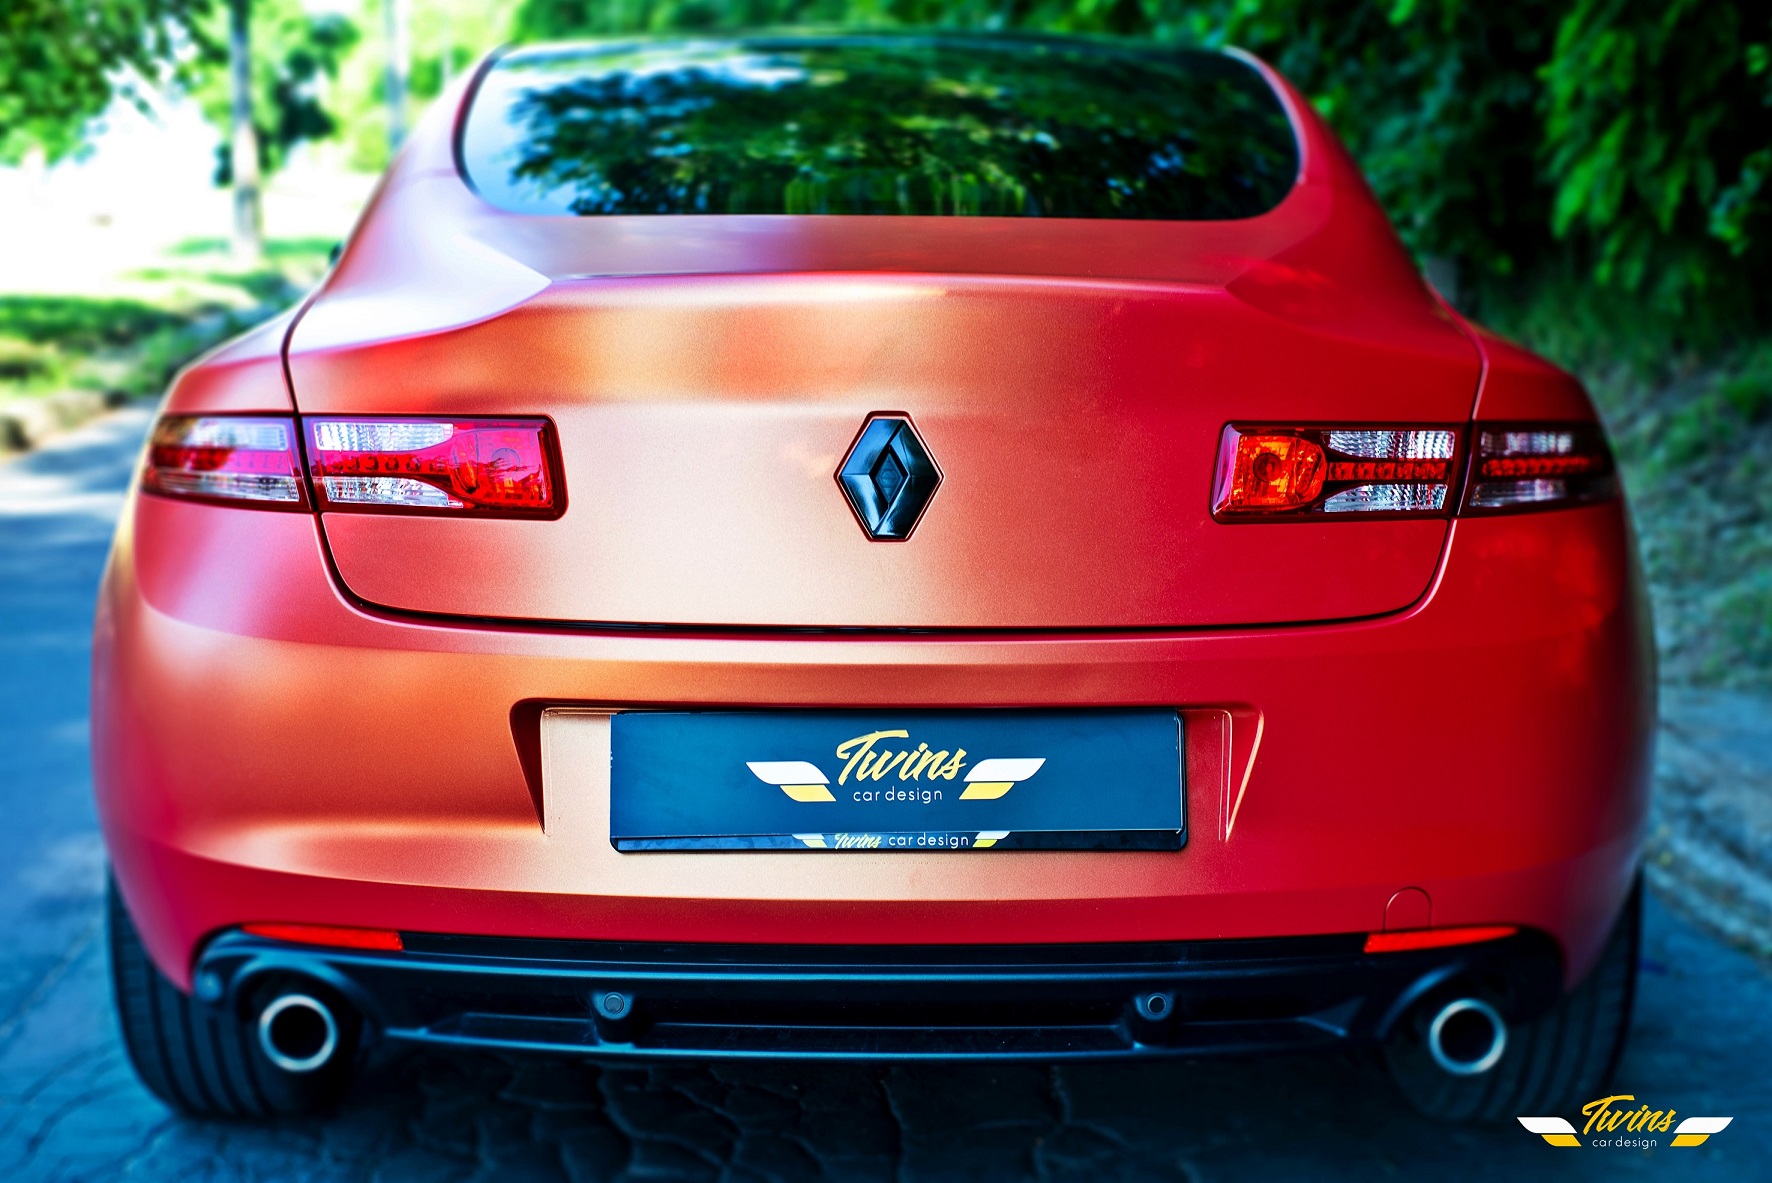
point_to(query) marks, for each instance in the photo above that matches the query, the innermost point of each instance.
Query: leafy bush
(82, 324)
(62, 62)
(134, 345)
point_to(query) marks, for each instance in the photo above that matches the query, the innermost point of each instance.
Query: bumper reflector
(230, 458)
(1272, 471)
(1435, 938)
(501, 467)
(325, 934)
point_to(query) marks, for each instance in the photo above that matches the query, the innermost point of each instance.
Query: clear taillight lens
(456, 467)
(1535, 465)
(1293, 472)
(235, 458)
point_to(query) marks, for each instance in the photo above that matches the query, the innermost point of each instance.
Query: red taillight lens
(1269, 471)
(503, 467)
(1528, 465)
(247, 459)
(336, 936)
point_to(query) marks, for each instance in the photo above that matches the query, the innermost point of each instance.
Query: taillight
(1266, 472)
(459, 467)
(1536, 465)
(237, 458)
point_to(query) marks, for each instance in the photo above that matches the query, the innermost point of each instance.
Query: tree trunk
(248, 242)
(399, 65)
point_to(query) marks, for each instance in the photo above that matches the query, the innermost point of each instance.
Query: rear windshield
(998, 128)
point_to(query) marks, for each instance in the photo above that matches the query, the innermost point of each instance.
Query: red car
(897, 547)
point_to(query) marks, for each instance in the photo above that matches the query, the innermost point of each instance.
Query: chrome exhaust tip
(297, 1032)
(1467, 1037)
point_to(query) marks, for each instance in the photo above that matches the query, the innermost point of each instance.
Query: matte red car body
(336, 719)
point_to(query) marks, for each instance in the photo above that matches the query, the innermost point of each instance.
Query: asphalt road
(70, 1108)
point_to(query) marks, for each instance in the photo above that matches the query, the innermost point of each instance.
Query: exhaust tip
(297, 1032)
(1467, 1037)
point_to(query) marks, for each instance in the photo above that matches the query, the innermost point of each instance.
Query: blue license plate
(897, 780)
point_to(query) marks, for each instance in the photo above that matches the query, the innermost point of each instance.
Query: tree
(242, 135)
(63, 61)
(398, 68)
(262, 67)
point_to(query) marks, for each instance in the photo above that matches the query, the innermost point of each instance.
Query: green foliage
(449, 36)
(446, 38)
(62, 62)
(24, 362)
(293, 53)
(50, 343)
(1748, 391)
(1437, 100)
(81, 323)
(1648, 107)
(133, 344)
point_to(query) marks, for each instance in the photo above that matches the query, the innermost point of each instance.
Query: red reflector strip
(449, 466)
(326, 934)
(225, 457)
(1435, 938)
(1269, 471)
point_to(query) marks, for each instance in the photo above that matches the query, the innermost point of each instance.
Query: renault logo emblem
(889, 477)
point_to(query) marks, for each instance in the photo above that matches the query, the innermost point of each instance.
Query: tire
(1552, 1064)
(203, 1060)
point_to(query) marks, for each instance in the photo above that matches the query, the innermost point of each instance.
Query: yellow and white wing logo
(797, 778)
(990, 779)
(1554, 1130)
(1694, 1130)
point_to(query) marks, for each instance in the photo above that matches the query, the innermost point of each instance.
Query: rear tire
(1551, 1064)
(204, 1060)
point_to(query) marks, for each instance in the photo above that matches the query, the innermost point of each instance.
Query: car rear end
(1233, 648)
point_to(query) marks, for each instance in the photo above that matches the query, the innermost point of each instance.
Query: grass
(1693, 451)
(277, 249)
(131, 346)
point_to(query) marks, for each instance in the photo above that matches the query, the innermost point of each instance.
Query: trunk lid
(702, 421)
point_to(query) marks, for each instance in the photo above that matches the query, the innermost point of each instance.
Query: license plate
(897, 780)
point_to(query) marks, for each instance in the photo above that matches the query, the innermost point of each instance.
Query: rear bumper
(266, 750)
(1042, 1002)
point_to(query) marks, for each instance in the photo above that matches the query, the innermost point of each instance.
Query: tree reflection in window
(879, 125)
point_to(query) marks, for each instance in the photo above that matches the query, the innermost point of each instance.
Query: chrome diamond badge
(889, 477)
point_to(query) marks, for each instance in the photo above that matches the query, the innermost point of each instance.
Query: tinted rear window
(1000, 128)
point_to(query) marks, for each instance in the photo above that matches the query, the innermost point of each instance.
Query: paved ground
(70, 1109)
